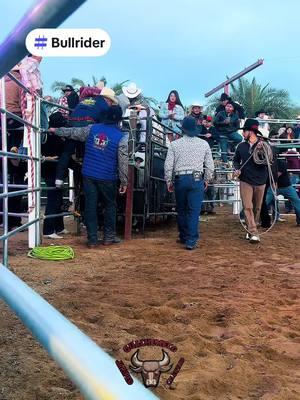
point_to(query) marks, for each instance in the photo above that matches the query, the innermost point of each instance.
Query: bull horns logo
(150, 369)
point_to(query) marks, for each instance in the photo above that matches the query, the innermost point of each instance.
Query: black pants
(264, 212)
(70, 147)
(105, 192)
(54, 203)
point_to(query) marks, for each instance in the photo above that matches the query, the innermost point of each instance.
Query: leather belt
(187, 172)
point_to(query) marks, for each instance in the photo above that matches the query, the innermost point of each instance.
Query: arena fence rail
(88, 366)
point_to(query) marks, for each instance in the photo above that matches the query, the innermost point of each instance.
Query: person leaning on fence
(253, 177)
(88, 111)
(188, 167)
(105, 160)
(227, 123)
(285, 188)
(15, 130)
(70, 99)
(172, 113)
(138, 103)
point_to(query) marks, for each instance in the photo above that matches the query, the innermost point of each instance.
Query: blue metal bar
(4, 173)
(19, 229)
(43, 14)
(18, 156)
(87, 365)
(17, 118)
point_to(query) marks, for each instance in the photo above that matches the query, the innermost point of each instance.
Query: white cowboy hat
(196, 104)
(131, 91)
(109, 94)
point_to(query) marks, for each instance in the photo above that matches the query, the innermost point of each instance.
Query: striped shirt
(189, 154)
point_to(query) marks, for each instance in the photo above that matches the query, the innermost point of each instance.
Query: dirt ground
(232, 308)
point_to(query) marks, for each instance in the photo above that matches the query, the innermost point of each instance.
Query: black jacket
(251, 173)
(222, 127)
(239, 109)
(214, 135)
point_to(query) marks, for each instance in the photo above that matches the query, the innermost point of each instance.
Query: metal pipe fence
(89, 367)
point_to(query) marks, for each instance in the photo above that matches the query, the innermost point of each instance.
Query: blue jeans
(290, 194)
(189, 196)
(232, 137)
(96, 191)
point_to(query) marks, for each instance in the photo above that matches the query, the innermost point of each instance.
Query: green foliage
(117, 87)
(255, 97)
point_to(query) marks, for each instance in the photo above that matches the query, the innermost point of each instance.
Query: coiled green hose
(54, 253)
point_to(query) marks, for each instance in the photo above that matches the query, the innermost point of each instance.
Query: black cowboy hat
(68, 88)
(252, 125)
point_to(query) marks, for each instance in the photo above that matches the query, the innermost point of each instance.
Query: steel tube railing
(17, 193)
(87, 365)
(18, 156)
(4, 173)
(17, 118)
(18, 229)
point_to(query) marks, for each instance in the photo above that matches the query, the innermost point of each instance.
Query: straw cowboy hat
(109, 94)
(131, 91)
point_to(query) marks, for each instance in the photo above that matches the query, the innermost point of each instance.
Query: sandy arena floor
(231, 308)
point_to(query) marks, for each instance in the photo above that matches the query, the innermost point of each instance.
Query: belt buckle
(197, 175)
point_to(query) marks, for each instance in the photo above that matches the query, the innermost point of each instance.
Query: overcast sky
(188, 45)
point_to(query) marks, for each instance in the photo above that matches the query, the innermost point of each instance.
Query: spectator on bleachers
(227, 123)
(70, 99)
(224, 99)
(209, 132)
(264, 127)
(196, 112)
(297, 129)
(285, 188)
(172, 113)
(138, 103)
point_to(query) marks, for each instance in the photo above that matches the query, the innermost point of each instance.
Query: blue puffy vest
(101, 152)
(92, 107)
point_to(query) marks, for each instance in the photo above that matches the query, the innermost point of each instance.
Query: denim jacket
(175, 123)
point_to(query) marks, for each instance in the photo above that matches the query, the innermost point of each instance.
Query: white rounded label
(68, 42)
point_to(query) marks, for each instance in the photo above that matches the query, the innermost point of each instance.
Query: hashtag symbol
(40, 42)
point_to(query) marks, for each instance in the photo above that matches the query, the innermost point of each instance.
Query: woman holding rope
(251, 162)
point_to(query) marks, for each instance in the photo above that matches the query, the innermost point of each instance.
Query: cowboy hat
(252, 125)
(189, 126)
(109, 94)
(196, 104)
(131, 91)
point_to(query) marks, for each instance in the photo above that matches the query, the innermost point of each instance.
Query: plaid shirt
(189, 154)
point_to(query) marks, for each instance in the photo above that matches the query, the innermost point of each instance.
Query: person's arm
(179, 114)
(219, 120)
(169, 167)
(123, 163)
(237, 159)
(208, 165)
(80, 134)
(164, 112)
(235, 122)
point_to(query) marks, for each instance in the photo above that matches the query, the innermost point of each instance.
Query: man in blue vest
(105, 161)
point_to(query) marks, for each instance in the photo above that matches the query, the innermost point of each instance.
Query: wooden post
(129, 193)
(226, 89)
